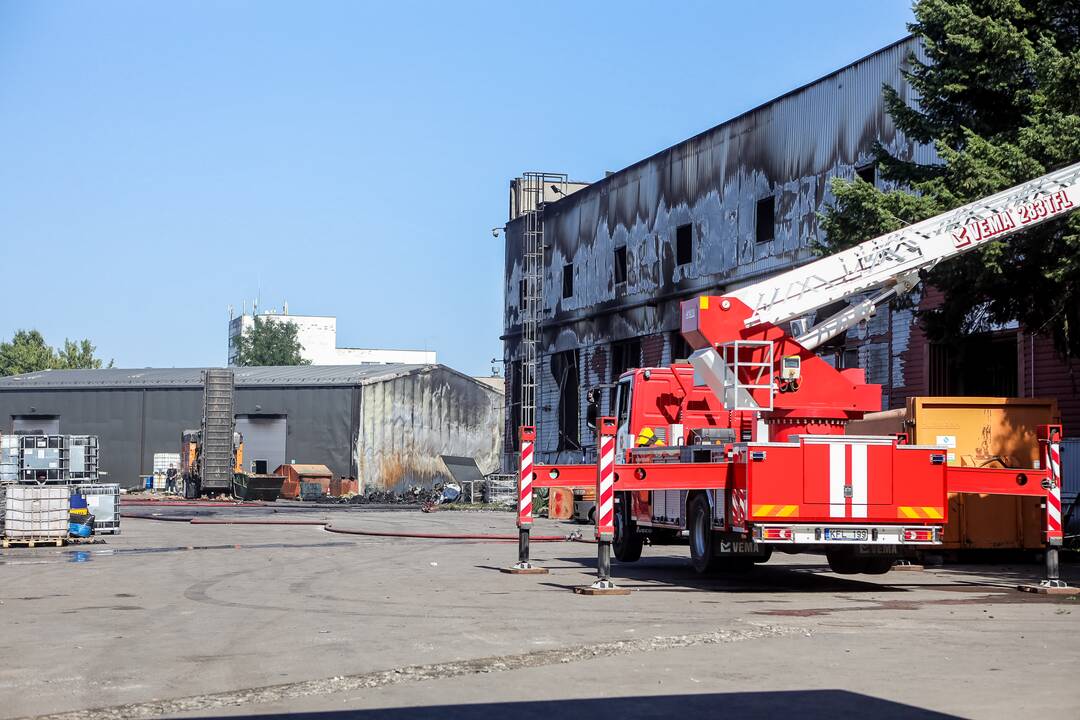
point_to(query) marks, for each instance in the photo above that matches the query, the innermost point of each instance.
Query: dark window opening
(624, 356)
(766, 219)
(568, 280)
(978, 365)
(564, 370)
(867, 173)
(849, 358)
(620, 264)
(521, 293)
(35, 424)
(684, 244)
(680, 349)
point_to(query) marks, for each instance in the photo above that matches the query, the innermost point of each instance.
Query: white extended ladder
(892, 262)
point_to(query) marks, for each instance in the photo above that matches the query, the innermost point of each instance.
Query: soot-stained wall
(788, 149)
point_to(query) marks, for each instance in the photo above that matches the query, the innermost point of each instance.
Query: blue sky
(161, 161)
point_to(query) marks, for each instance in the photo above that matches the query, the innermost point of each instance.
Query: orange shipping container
(978, 432)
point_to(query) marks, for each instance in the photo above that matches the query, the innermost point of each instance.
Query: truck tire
(877, 565)
(843, 561)
(699, 523)
(628, 542)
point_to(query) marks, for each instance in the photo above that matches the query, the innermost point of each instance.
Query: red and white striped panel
(738, 510)
(1053, 495)
(841, 474)
(528, 437)
(605, 487)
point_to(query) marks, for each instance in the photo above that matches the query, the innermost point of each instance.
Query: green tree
(25, 352)
(269, 343)
(999, 97)
(77, 355)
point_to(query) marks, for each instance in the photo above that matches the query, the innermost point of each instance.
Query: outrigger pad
(532, 570)
(601, 589)
(1049, 589)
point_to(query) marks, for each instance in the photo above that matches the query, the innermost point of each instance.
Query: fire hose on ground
(326, 525)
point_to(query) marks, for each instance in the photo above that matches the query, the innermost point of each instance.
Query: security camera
(495, 231)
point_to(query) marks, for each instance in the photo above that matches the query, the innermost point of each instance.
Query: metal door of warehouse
(264, 439)
(35, 425)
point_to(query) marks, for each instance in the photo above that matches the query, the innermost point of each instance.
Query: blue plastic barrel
(148, 482)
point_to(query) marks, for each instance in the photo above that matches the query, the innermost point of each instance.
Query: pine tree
(999, 97)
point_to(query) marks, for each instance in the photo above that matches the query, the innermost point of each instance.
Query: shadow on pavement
(677, 575)
(804, 704)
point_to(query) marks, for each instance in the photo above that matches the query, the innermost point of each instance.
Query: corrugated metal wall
(388, 433)
(132, 424)
(789, 148)
(408, 422)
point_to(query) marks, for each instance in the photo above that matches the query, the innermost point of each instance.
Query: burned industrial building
(731, 205)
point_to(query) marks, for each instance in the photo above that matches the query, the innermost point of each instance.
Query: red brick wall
(1053, 376)
(1043, 373)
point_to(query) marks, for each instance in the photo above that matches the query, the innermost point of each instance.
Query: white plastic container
(163, 460)
(103, 501)
(37, 511)
(9, 458)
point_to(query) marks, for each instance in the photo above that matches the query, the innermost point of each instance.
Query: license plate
(849, 534)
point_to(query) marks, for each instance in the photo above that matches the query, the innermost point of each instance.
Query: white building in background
(318, 339)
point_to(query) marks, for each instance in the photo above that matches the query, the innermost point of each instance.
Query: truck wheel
(877, 565)
(699, 522)
(844, 562)
(628, 542)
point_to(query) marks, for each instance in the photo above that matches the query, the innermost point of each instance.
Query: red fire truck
(742, 447)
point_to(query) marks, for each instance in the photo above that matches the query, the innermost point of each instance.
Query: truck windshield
(623, 403)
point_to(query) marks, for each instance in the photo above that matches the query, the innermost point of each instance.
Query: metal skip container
(978, 432)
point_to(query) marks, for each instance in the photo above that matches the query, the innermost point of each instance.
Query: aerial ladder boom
(891, 263)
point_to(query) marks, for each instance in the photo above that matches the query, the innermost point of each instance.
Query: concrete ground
(171, 619)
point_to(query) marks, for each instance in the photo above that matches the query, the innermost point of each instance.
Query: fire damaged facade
(732, 205)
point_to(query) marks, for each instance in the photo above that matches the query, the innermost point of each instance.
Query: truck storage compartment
(844, 478)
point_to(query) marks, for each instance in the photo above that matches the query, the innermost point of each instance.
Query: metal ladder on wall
(534, 188)
(218, 427)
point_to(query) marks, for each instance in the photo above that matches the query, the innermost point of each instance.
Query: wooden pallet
(33, 541)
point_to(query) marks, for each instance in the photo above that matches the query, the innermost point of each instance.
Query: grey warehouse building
(386, 425)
